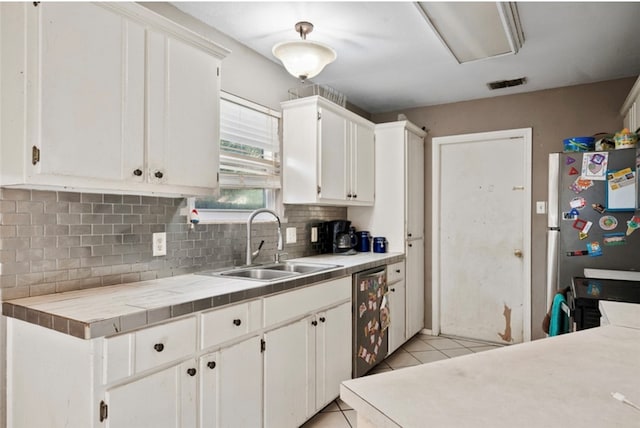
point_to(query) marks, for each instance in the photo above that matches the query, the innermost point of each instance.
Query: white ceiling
(390, 59)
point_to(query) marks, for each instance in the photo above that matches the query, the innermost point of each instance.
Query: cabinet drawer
(395, 272)
(297, 303)
(224, 324)
(164, 343)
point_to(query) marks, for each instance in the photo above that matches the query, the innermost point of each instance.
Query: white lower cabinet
(304, 364)
(163, 399)
(231, 379)
(397, 305)
(269, 362)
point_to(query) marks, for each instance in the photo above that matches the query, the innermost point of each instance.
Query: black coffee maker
(337, 237)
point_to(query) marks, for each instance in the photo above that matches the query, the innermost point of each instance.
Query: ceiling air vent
(507, 83)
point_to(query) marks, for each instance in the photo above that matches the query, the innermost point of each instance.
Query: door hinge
(35, 155)
(263, 345)
(104, 411)
(217, 177)
(36, 3)
(218, 71)
(319, 190)
(319, 115)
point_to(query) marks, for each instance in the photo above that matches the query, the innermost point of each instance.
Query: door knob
(517, 253)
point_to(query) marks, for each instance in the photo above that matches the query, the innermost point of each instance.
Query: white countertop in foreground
(560, 381)
(107, 310)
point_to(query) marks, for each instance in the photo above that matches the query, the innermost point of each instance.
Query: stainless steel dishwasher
(370, 319)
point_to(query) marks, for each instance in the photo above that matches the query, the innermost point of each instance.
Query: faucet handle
(277, 256)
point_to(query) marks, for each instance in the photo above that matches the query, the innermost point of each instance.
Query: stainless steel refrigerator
(371, 319)
(592, 215)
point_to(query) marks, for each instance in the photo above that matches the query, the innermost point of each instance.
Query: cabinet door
(333, 353)
(333, 156)
(289, 362)
(231, 386)
(183, 113)
(415, 186)
(415, 286)
(87, 108)
(362, 164)
(397, 309)
(164, 399)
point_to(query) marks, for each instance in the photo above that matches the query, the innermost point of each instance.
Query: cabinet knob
(158, 347)
(159, 174)
(314, 323)
(237, 321)
(211, 364)
(191, 371)
(393, 289)
(348, 195)
(409, 235)
(322, 319)
(411, 245)
(397, 270)
(355, 196)
(137, 172)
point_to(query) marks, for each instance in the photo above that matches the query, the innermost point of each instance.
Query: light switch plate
(159, 244)
(291, 235)
(541, 207)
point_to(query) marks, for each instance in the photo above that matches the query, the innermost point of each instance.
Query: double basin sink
(273, 271)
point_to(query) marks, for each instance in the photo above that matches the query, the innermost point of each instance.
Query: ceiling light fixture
(475, 30)
(303, 58)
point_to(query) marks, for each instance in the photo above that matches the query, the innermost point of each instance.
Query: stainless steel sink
(273, 271)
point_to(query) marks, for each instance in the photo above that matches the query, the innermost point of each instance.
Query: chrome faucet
(250, 255)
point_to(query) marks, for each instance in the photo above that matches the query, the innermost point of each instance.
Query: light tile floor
(421, 349)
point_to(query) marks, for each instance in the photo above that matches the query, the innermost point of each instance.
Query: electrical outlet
(291, 235)
(314, 234)
(159, 244)
(541, 207)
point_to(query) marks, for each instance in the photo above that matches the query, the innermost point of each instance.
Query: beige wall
(553, 114)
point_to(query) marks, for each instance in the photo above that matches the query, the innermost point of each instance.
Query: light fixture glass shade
(303, 58)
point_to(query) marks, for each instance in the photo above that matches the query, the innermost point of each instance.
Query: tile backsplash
(52, 242)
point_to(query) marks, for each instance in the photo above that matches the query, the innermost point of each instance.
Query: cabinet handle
(393, 290)
(158, 347)
(237, 321)
(322, 319)
(191, 371)
(314, 323)
(397, 270)
(137, 172)
(158, 174)
(211, 364)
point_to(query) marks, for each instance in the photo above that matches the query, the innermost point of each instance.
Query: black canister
(379, 244)
(363, 241)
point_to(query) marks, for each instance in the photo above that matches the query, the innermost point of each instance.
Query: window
(249, 161)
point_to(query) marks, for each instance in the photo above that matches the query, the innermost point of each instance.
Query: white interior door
(481, 235)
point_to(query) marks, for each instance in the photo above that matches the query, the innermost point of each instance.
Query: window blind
(249, 145)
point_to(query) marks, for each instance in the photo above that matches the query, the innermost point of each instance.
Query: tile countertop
(564, 380)
(104, 311)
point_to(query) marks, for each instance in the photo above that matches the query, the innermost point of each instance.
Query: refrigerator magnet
(577, 253)
(599, 208)
(594, 166)
(579, 224)
(580, 184)
(608, 222)
(573, 171)
(577, 203)
(633, 224)
(582, 236)
(614, 239)
(569, 160)
(571, 215)
(594, 249)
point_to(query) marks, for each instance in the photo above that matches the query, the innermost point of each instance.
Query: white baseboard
(426, 331)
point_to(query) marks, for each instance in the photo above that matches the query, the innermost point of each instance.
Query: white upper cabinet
(328, 154)
(631, 108)
(107, 97)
